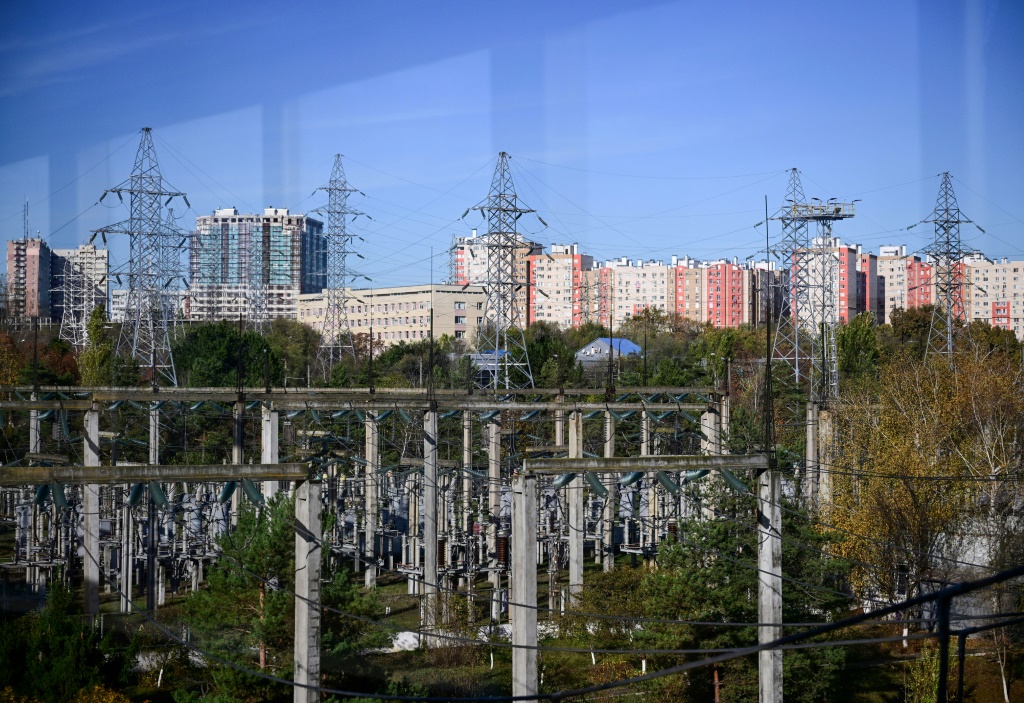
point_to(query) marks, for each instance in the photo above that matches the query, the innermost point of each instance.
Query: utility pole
(769, 539)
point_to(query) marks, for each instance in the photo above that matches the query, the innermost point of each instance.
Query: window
(460, 305)
(460, 319)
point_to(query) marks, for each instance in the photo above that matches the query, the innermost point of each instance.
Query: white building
(402, 313)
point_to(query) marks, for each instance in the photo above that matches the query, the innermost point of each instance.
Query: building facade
(906, 280)
(994, 293)
(80, 279)
(29, 273)
(470, 258)
(557, 290)
(254, 264)
(403, 313)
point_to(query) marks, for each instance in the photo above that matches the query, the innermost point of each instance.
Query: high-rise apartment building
(688, 288)
(907, 280)
(88, 268)
(470, 258)
(994, 293)
(254, 264)
(558, 287)
(402, 313)
(29, 272)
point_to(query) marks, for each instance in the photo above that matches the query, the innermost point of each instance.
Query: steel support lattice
(337, 341)
(77, 302)
(947, 255)
(816, 299)
(502, 345)
(795, 295)
(154, 267)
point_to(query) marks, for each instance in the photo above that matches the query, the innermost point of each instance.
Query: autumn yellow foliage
(918, 455)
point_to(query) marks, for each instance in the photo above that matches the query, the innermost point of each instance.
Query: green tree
(710, 575)
(213, 354)
(99, 365)
(857, 345)
(55, 652)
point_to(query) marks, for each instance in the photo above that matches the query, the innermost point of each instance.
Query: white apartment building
(402, 313)
(92, 265)
(558, 293)
(994, 293)
(907, 280)
(470, 257)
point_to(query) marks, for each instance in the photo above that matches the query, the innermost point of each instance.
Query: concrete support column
(467, 479)
(34, 426)
(91, 506)
(307, 591)
(430, 601)
(127, 558)
(709, 425)
(560, 424)
(237, 454)
(826, 456)
(269, 447)
(723, 424)
(371, 503)
(611, 483)
(493, 493)
(574, 499)
(769, 586)
(652, 486)
(524, 585)
(811, 466)
(152, 522)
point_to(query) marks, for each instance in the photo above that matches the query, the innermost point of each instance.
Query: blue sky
(643, 129)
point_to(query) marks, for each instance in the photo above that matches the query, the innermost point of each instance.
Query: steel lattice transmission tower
(793, 243)
(947, 255)
(337, 336)
(77, 293)
(818, 308)
(153, 269)
(502, 345)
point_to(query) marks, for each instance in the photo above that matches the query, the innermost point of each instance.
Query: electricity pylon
(947, 257)
(151, 273)
(795, 295)
(501, 343)
(336, 341)
(818, 307)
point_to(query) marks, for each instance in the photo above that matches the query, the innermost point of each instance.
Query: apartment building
(688, 288)
(470, 258)
(994, 293)
(29, 273)
(237, 259)
(557, 292)
(402, 313)
(906, 279)
(91, 266)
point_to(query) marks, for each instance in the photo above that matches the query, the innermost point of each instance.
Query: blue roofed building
(597, 352)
